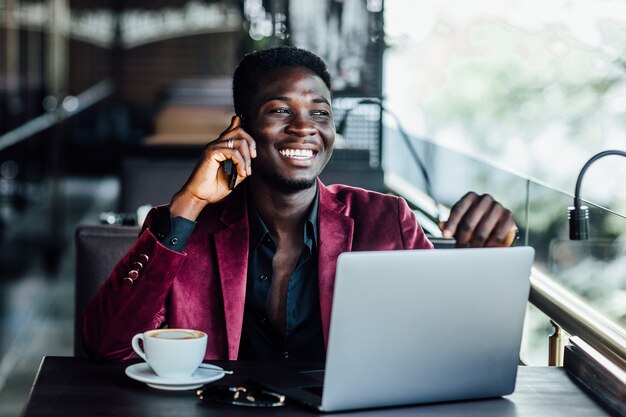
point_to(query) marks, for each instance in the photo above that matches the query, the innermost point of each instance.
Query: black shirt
(303, 337)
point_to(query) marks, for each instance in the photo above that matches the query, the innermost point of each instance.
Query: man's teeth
(297, 153)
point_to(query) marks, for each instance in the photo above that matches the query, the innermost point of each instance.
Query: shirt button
(263, 277)
(286, 355)
(267, 240)
(174, 241)
(263, 320)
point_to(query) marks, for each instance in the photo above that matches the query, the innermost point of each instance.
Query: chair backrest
(152, 180)
(98, 249)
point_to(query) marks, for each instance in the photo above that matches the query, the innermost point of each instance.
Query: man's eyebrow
(278, 98)
(321, 100)
(285, 98)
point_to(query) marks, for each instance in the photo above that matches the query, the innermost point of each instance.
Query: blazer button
(143, 258)
(137, 265)
(133, 274)
(129, 281)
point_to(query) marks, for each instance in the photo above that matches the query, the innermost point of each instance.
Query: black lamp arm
(586, 166)
(578, 215)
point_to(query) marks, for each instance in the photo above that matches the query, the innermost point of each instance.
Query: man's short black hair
(255, 65)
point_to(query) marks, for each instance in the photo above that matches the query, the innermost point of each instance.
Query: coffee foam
(175, 334)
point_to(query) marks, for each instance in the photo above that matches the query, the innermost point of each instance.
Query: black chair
(98, 249)
(152, 180)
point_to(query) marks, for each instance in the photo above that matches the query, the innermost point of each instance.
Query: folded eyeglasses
(243, 396)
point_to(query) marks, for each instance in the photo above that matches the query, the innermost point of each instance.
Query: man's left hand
(479, 220)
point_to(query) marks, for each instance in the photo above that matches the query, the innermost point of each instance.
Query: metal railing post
(556, 345)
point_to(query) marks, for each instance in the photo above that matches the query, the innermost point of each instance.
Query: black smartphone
(232, 175)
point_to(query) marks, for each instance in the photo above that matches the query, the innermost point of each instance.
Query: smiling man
(254, 267)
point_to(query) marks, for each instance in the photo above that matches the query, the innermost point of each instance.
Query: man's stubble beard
(289, 185)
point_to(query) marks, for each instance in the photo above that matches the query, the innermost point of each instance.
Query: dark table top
(68, 386)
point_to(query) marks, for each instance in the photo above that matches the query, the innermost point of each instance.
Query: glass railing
(593, 270)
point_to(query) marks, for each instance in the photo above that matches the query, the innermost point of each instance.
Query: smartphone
(232, 174)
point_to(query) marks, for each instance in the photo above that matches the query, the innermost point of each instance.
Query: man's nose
(301, 125)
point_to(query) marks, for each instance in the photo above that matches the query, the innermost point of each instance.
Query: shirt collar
(258, 229)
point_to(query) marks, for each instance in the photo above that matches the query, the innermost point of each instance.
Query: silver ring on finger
(231, 143)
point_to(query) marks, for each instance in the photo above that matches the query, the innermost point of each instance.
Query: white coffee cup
(171, 353)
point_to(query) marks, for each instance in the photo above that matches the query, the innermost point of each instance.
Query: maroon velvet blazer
(204, 287)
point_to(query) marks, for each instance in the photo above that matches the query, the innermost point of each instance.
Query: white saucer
(143, 373)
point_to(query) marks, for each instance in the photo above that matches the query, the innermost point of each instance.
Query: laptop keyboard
(317, 390)
(317, 375)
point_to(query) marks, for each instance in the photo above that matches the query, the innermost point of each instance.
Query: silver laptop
(421, 326)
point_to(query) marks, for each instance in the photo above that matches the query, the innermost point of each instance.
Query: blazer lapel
(335, 237)
(231, 245)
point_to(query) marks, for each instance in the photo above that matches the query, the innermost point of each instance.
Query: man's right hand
(208, 182)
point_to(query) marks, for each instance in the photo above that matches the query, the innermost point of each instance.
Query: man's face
(292, 123)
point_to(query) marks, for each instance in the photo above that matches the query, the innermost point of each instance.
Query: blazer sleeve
(118, 311)
(413, 236)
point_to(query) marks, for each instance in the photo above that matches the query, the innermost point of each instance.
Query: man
(254, 267)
